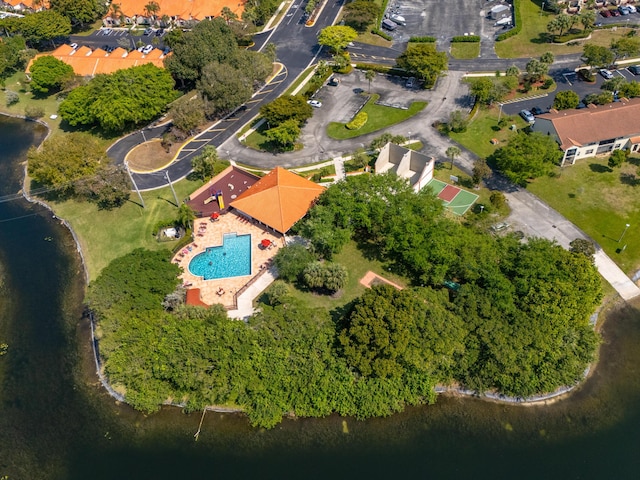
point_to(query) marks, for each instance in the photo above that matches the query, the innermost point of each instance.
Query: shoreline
(544, 399)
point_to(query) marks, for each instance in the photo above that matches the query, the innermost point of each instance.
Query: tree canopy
(565, 100)
(38, 28)
(121, 100)
(359, 14)
(79, 12)
(48, 74)
(337, 37)
(424, 61)
(527, 156)
(11, 58)
(285, 108)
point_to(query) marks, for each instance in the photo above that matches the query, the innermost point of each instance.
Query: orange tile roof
(589, 125)
(27, 3)
(279, 199)
(87, 62)
(183, 9)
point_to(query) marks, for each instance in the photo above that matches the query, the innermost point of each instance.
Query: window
(589, 152)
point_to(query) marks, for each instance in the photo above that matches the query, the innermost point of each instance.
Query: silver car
(528, 116)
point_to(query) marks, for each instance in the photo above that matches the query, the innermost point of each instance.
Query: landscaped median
(378, 118)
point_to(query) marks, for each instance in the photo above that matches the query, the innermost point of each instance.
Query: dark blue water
(56, 422)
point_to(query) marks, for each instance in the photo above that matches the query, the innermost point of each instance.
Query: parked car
(537, 111)
(615, 13)
(635, 69)
(605, 13)
(315, 103)
(74, 45)
(160, 32)
(623, 10)
(606, 73)
(632, 9)
(148, 31)
(147, 49)
(500, 226)
(528, 116)
(334, 81)
(410, 83)
(389, 25)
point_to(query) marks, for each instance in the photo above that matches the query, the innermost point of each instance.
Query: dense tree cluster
(424, 61)
(517, 324)
(79, 12)
(208, 58)
(48, 75)
(77, 165)
(285, 117)
(12, 56)
(360, 14)
(527, 156)
(121, 100)
(39, 29)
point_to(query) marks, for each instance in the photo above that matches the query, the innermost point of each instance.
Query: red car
(615, 13)
(605, 13)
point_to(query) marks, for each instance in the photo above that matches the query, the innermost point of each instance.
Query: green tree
(186, 216)
(209, 41)
(597, 56)
(79, 12)
(291, 261)
(287, 107)
(487, 90)
(284, 135)
(255, 66)
(583, 246)
(335, 276)
(337, 37)
(512, 71)
(481, 171)
(277, 293)
(423, 61)
(42, 27)
(617, 158)
(630, 89)
(458, 121)
(204, 165)
(109, 187)
(565, 100)
(48, 75)
(527, 156)
(587, 19)
(224, 88)
(121, 100)
(11, 59)
(359, 14)
(151, 9)
(313, 275)
(536, 69)
(625, 47)
(451, 153)
(547, 58)
(369, 75)
(187, 113)
(64, 159)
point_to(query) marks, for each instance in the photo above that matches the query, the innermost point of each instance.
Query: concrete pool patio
(208, 233)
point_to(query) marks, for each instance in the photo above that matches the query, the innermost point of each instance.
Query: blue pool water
(232, 259)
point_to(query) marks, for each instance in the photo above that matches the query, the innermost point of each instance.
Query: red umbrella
(265, 242)
(215, 215)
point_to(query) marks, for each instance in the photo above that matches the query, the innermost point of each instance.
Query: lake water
(56, 422)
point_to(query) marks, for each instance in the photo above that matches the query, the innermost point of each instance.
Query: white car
(315, 103)
(74, 45)
(146, 50)
(606, 73)
(632, 9)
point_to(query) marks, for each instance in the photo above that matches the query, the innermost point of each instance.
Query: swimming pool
(232, 259)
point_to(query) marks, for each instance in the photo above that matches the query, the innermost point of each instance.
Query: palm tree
(186, 216)
(452, 153)
(370, 75)
(150, 10)
(115, 12)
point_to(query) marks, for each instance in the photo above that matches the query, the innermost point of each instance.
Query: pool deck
(208, 233)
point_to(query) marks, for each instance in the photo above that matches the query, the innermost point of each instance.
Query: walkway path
(245, 300)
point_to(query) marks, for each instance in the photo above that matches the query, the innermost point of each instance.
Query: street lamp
(625, 231)
(542, 7)
(481, 209)
(500, 112)
(409, 137)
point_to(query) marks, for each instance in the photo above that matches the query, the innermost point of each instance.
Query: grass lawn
(465, 50)
(106, 235)
(357, 265)
(601, 202)
(379, 117)
(17, 83)
(532, 39)
(481, 130)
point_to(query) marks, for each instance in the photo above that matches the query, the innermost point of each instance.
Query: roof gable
(279, 199)
(590, 125)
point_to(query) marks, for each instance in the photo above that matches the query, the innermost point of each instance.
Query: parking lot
(442, 20)
(115, 37)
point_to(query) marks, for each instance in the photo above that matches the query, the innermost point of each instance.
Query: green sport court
(454, 198)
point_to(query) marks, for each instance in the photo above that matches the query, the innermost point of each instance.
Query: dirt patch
(371, 279)
(151, 156)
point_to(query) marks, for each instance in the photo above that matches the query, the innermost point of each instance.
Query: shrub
(497, 199)
(422, 39)
(380, 33)
(547, 83)
(358, 122)
(33, 111)
(586, 75)
(11, 97)
(466, 39)
(373, 66)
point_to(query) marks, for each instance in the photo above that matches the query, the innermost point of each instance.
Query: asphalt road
(99, 40)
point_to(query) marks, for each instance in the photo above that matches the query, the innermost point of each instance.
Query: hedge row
(422, 39)
(518, 26)
(383, 69)
(466, 39)
(380, 33)
(358, 121)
